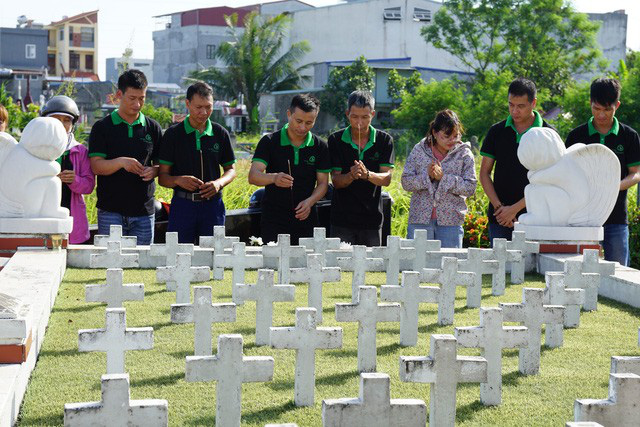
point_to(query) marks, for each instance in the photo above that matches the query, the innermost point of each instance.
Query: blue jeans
(497, 231)
(194, 219)
(450, 236)
(139, 226)
(616, 243)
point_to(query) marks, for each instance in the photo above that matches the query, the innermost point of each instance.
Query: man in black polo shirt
(191, 155)
(361, 161)
(123, 150)
(293, 165)
(604, 128)
(500, 147)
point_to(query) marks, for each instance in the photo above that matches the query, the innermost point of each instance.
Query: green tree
(413, 82)
(18, 119)
(162, 115)
(342, 81)
(486, 103)
(395, 85)
(629, 112)
(255, 61)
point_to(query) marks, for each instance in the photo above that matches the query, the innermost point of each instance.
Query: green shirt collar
(208, 130)
(346, 137)
(284, 141)
(614, 129)
(117, 119)
(537, 122)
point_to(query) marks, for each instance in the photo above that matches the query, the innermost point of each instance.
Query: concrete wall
(113, 68)
(13, 50)
(612, 36)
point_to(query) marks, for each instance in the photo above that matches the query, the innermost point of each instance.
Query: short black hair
(361, 99)
(605, 91)
(522, 86)
(306, 102)
(134, 79)
(200, 88)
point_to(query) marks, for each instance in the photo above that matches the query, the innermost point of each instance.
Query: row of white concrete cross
(557, 305)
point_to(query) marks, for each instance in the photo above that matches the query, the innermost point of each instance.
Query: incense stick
(359, 138)
(293, 206)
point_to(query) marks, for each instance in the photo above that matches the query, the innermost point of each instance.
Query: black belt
(194, 197)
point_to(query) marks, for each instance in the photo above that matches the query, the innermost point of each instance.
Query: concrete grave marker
(582, 424)
(479, 262)
(115, 339)
(315, 274)
(114, 293)
(320, 243)
(410, 294)
(591, 263)
(393, 253)
(503, 256)
(116, 407)
(264, 293)
(284, 252)
(113, 258)
(169, 250)
(448, 277)
(423, 246)
(367, 312)
(625, 365)
(359, 264)
(533, 314)
(518, 242)
(203, 313)
(183, 274)
(443, 369)
(219, 242)
(115, 235)
(574, 277)
(239, 261)
(492, 337)
(374, 407)
(622, 409)
(556, 293)
(305, 338)
(230, 368)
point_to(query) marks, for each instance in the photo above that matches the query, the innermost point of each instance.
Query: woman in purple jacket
(76, 175)
(440, 172)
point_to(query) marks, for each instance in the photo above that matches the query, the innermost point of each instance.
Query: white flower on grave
(345, 245)
(255, 241)
(272, 244)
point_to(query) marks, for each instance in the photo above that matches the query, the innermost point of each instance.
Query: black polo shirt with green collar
(111, 137)
(182, 145)
(277, 153)
(625, 144)
(359, 205)
(509, 176)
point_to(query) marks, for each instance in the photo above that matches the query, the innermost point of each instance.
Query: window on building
(30, 51)
(61, 34)
(33, 76)
(74, 61)
(18, 76)
(70, 34)
(392, 14)
(87, 34)
(51, 62)
(139, 65)
(211, 51)
(88, 62)
(421, 15)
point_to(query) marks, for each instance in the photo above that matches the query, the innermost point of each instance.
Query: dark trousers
(194, 219)
(272, 224)
(354, 236)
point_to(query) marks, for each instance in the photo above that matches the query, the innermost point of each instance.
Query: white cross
(519, 243)
(114, 292)
(183, 274)
(374, 407)
(319, 243)
(203, 314)
(305, 338)
(574, 277)
(478, 261)
(625, 365)
(443, 369)
(115, 235)
(423, 247)
(410, 294)
(284, 252)
(239, 261)
(116, 407)
(591, 263)
(264, 293)
(367, 312)
(393, 253)
(230, 368)
(448, 277)
(315, 274)
(556, 293)
(219, 242)
(621, 409)
(359, 264)
(169, 250)
(492, 337)
(533, 314)
(113, 258)
(503, 256)
(115, 339)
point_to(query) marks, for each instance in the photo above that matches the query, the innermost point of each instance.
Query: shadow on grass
(342, 353)
(165, 311)
(158, 381)
(388, 349)
(267, 414)
(245, 331)
(226, 296)
(56, 353)
(181, 354)
(428, 328)
(619, 306)
(337, 379)
(161, 325)
(159, 291)
(389, 331)
(466, 412)
(76, 309)
(55, 419)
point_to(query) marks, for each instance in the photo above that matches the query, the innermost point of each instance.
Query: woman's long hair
(447, 121)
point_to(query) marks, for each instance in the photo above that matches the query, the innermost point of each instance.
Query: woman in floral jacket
(440, 172)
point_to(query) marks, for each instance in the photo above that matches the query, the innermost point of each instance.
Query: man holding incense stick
(361, 161)
(293, 165)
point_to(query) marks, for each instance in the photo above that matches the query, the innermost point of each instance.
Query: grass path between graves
(63, 375)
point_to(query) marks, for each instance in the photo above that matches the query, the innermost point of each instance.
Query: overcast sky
(129, 23)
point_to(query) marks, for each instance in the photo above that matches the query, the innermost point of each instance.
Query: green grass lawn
(63, 375)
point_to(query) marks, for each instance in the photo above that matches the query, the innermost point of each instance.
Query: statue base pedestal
(45, 233)
(572, 240)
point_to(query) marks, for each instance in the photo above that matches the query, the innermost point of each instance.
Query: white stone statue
(574, 187)
(29, 187)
